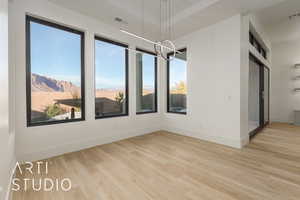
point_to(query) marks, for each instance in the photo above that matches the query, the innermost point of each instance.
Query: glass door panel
(266, 95)
(254, 95)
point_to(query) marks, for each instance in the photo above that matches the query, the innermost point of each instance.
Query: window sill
(29, 124)
(142, 113)
(111, 116)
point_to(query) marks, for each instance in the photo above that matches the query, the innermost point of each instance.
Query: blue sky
(177, 71)
(148, 71)
(110, 65)
(56, 53)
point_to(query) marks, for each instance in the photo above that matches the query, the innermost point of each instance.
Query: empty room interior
(149, 100)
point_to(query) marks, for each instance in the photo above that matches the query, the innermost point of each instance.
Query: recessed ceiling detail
(120, 20)
(281, 21)
(294, 16)
(188, 15)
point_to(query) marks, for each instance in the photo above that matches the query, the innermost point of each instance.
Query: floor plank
(162, 166)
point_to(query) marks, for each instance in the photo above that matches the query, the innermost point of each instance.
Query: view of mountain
(45, 84)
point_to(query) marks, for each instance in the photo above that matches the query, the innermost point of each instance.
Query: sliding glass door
(254, 95)
(258, 102)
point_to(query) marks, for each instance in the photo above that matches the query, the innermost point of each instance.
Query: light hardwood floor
(169, 166)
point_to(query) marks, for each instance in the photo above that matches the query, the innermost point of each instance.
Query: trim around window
(168, 83)
(155, 81)
(28, 70)
(126, 76)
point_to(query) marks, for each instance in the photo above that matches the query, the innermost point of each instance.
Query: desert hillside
(47, 92)
(46, 84)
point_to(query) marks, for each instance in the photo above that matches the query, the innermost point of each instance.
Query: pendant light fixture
(165, 44)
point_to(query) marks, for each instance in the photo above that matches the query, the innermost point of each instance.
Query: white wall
(44, 141)
(284, 100)
(213, 82)
(217, 76)
(7, 158)
(285, 37)
(244, 80)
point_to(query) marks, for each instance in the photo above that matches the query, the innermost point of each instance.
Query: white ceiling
(279, 13)
(188, 15)
(278, 25)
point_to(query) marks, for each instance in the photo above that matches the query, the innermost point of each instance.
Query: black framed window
(251, 38)
(177, 82)
(264, 53)
(111, 75)
(257, 45)
(146, 82)
(54, 73)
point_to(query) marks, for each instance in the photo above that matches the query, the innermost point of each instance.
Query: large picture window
(176, 87)
(55, 73)
(146, 82)
(111, 68)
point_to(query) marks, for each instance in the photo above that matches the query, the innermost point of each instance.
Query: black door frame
(262, 123)
(268, 70)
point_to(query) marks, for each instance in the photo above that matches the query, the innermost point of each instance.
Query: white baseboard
(83, 144)
(245, 141)
(79, 145)
(238, 144)
(281, 121)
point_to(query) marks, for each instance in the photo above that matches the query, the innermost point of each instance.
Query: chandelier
(165, 44)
